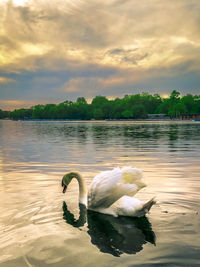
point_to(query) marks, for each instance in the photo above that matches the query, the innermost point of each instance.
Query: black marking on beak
(64, 188)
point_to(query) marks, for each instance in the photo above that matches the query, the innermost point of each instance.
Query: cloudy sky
(52, 51)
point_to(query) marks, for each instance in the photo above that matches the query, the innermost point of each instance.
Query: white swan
(111, 192)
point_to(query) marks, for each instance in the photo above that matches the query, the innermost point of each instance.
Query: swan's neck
(82, 189)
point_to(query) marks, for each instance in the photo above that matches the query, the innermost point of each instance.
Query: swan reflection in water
(110, 234)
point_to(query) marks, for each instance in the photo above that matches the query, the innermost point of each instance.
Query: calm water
(39, 226)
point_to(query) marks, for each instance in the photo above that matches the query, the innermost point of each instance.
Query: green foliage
(174, 96)
(81, 100)
(127, 114)
(21, 114)
(4, 114)
(177, 110)
(100, 107)
(163, 107)
(129, 107)
(189, 103)
(139, 111)
(98, 114)
(1, 114)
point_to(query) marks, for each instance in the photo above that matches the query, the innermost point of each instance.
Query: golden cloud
(92, 85)
(125, 35)
(6, 80)
(14, 104)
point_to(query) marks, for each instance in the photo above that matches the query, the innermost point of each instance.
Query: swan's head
(67, 179)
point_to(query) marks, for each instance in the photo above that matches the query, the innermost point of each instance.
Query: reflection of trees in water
(126, 134)
(101, 134)
(173, 135)
(133, 131)
(113, 235)
(67, 131)
(82, 133)
(139, 131)
(76, 130)
(173, 132)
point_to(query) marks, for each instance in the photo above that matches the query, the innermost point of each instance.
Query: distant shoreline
(120, 120)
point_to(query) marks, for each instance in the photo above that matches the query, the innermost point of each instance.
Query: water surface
(39, 226)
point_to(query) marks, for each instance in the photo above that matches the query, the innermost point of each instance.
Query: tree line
(136, 106)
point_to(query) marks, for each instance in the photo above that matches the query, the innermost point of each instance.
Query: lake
(41, 226)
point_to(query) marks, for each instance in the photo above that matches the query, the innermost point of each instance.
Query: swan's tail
(147, 205)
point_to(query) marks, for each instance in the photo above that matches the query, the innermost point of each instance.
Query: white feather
(111, 192)
(109, 186)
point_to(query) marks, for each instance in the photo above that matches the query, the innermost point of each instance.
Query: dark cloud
(127, 55)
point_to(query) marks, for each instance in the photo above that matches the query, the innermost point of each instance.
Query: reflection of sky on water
(35, 155)
(58, 142)
(159, 149)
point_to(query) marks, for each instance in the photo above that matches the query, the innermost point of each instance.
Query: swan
(111, 192)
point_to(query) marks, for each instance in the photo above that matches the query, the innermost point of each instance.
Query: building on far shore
(190, 116)
(185, 116)
(158, 116)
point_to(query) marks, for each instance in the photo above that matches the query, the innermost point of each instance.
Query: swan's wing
(109, 186)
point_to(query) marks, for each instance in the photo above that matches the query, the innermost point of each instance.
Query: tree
(37, 112)
(189, 103)
(197, 103)
(130, 106)
(177, 110)
(49, 111)
(127, 114)
(174, 95)
(1, 114)
(98, 114)
(100, 103)
(163, 107)
(81, 100)
(116, 109)
(21, 114)
(83, 110)
(139, 112)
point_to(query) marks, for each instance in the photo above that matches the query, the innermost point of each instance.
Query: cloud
(97, 47)
(119, 83)
(6, 80)
(14, 104)
(123, 34)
